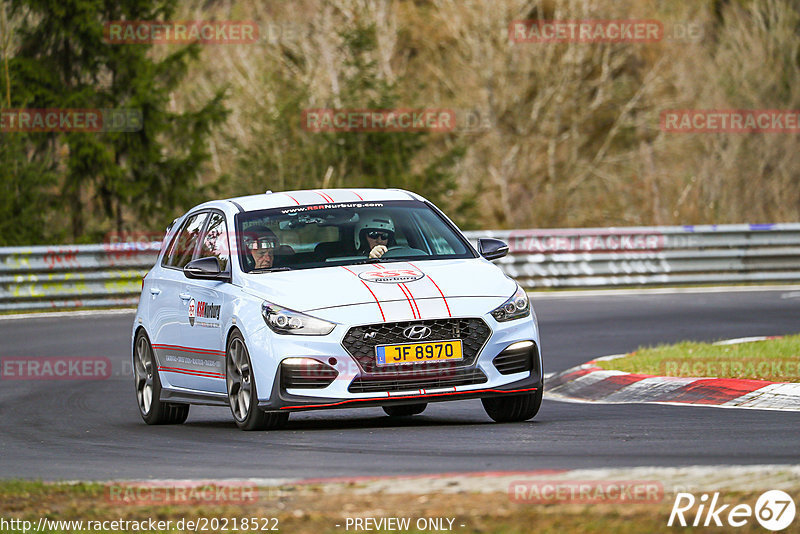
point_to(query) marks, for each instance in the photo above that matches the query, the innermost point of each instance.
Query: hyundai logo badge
(417, 332)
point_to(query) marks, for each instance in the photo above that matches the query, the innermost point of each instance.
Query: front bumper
(339, 395)
(281, 400)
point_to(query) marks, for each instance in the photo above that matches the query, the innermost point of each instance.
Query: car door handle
(185, 296)
(155, 291)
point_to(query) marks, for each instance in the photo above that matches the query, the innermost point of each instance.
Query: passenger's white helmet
(373, 222)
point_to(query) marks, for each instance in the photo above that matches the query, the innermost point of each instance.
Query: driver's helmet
(259, 237)
(373, 223)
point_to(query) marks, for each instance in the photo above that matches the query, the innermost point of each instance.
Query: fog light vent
(516, 358)
(306, 373)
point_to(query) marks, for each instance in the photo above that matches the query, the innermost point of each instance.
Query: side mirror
(206, 269)
(491, 249)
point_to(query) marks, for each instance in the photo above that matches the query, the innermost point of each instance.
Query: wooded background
(562, 134)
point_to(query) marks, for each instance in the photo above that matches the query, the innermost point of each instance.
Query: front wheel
(513, 408)
(405, 410)
(148, 387)
(242, 395)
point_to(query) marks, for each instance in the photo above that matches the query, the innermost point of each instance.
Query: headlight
(284, 321)
(514, 308)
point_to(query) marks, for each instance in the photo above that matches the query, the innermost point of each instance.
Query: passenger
(374, 235)
(260, 243)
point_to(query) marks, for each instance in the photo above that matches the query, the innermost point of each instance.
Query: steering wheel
(399, 250)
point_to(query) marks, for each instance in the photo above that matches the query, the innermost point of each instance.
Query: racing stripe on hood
(435, 285)
(378, 302)
(410, 299)
(397, 301)
(424, 297)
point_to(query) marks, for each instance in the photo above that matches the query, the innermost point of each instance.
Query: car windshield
(326, 235)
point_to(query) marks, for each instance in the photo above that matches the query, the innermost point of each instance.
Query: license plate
(419, 352)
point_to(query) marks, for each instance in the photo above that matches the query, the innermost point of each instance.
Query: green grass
(776, 360)
(311, 510)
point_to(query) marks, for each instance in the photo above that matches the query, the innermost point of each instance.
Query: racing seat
(333, 249)
(283, 256)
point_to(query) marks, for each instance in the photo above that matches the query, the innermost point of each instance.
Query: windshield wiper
(271, 269)
(379, 260)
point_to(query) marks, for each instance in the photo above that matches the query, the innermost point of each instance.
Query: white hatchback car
(331, 298)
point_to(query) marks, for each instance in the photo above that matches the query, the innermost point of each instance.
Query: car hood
(418, 289)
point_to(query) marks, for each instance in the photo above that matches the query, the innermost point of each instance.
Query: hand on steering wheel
(377, 251)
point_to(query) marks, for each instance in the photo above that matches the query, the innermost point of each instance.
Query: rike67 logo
(774, 510)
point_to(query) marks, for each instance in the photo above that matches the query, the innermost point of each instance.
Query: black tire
(405, 410)
(145, 375)
(513, 408)
(239, 379)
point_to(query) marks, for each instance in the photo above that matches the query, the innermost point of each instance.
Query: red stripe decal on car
(449, 314)
(445, 394)
(414, 300)
(356, 194)
(189, 349)
(411, 304)
(290, 196)
(325, 197)
(383, 317)
(204, 374)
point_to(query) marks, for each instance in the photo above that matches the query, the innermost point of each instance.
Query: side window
(180, 253)
(215, 240)
(432, 229)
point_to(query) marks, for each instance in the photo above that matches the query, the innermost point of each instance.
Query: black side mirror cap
(206, 269)
(491, 249)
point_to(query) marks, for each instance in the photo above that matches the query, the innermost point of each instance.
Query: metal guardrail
(666, 255)
(74, 276)
(109, 275)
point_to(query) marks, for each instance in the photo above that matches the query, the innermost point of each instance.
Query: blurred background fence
(109, 275)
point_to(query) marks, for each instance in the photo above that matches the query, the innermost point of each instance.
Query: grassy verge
(777, 360)
(311, 510)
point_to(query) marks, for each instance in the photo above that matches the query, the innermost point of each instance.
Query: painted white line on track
(742, 340)
(660, 291)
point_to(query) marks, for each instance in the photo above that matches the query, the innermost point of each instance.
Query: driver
(260, 242)
(374, 235)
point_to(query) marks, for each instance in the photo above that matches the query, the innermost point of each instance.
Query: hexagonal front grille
(360, 343)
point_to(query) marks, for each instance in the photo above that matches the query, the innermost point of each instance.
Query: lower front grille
(421, 380)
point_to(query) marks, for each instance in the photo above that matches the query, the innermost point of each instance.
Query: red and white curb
(590, 383)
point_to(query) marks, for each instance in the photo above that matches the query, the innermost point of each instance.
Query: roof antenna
(268, 192)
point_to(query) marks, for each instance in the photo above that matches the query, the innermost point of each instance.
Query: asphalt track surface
(91, 429)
